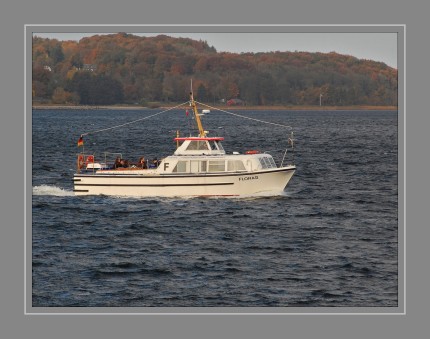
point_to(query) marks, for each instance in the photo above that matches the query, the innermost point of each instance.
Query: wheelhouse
(199, 146)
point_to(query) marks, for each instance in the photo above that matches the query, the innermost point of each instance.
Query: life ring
(252, 152)
(90, 158)
(80, 161)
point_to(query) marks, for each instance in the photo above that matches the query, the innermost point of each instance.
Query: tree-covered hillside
(124, 68)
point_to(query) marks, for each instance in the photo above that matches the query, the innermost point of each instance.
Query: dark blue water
(330, 240)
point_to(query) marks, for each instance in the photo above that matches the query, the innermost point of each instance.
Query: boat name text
(255, 177)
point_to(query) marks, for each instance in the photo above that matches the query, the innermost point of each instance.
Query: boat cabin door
(249, 165)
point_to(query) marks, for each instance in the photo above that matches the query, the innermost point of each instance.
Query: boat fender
(80, 161)
(252, 152)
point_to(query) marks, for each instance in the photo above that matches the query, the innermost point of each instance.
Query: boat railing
(110, 158)
(275, 153)
(89, 163)
(83, 160)
(290, 142)
(276, 156)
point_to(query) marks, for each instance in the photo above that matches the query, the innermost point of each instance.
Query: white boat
(199, 167)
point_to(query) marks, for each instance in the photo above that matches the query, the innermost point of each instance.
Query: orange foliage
(154, 67)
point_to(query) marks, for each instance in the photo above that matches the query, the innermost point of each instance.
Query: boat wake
(60, 192)
(51, 190)
(259, 195)
(263, 195)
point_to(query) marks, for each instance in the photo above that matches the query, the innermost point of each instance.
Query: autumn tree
(128, 68)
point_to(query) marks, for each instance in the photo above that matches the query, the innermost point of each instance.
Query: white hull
(147, 183)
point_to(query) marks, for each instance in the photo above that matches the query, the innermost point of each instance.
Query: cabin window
(197, 146)
(219, 146)
(216, 166)
(235, 165)
(267, 162)
(216, 146)
(262, 163)
(180, 167)
(203, 166)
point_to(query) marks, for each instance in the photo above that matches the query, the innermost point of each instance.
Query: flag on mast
(81, 141)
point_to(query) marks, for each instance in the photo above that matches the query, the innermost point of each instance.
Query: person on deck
(155, 162)
(117, 163)
(142, 163)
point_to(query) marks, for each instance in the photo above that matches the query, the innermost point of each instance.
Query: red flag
(81, 141)
(186, 112)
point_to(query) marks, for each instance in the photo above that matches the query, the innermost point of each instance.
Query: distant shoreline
(224, 107)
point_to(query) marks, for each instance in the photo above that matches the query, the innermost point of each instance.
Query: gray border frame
(401, 57)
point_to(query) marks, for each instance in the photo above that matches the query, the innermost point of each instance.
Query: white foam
(51, 190)
(264, 194)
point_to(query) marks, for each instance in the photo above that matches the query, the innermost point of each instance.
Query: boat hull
(271, 181)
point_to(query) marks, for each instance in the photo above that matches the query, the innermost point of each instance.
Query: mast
(196, 113)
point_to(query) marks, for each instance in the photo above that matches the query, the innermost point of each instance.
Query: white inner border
(28, 26)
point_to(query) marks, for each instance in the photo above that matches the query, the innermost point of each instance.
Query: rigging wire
(290, 140)
(132, 122)
(245, 117)
(181, 105)
(189, 103)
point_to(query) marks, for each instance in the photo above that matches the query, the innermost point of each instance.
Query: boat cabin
(217, 164)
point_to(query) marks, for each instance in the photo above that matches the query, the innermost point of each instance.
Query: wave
(155, 199)
(51, 190)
